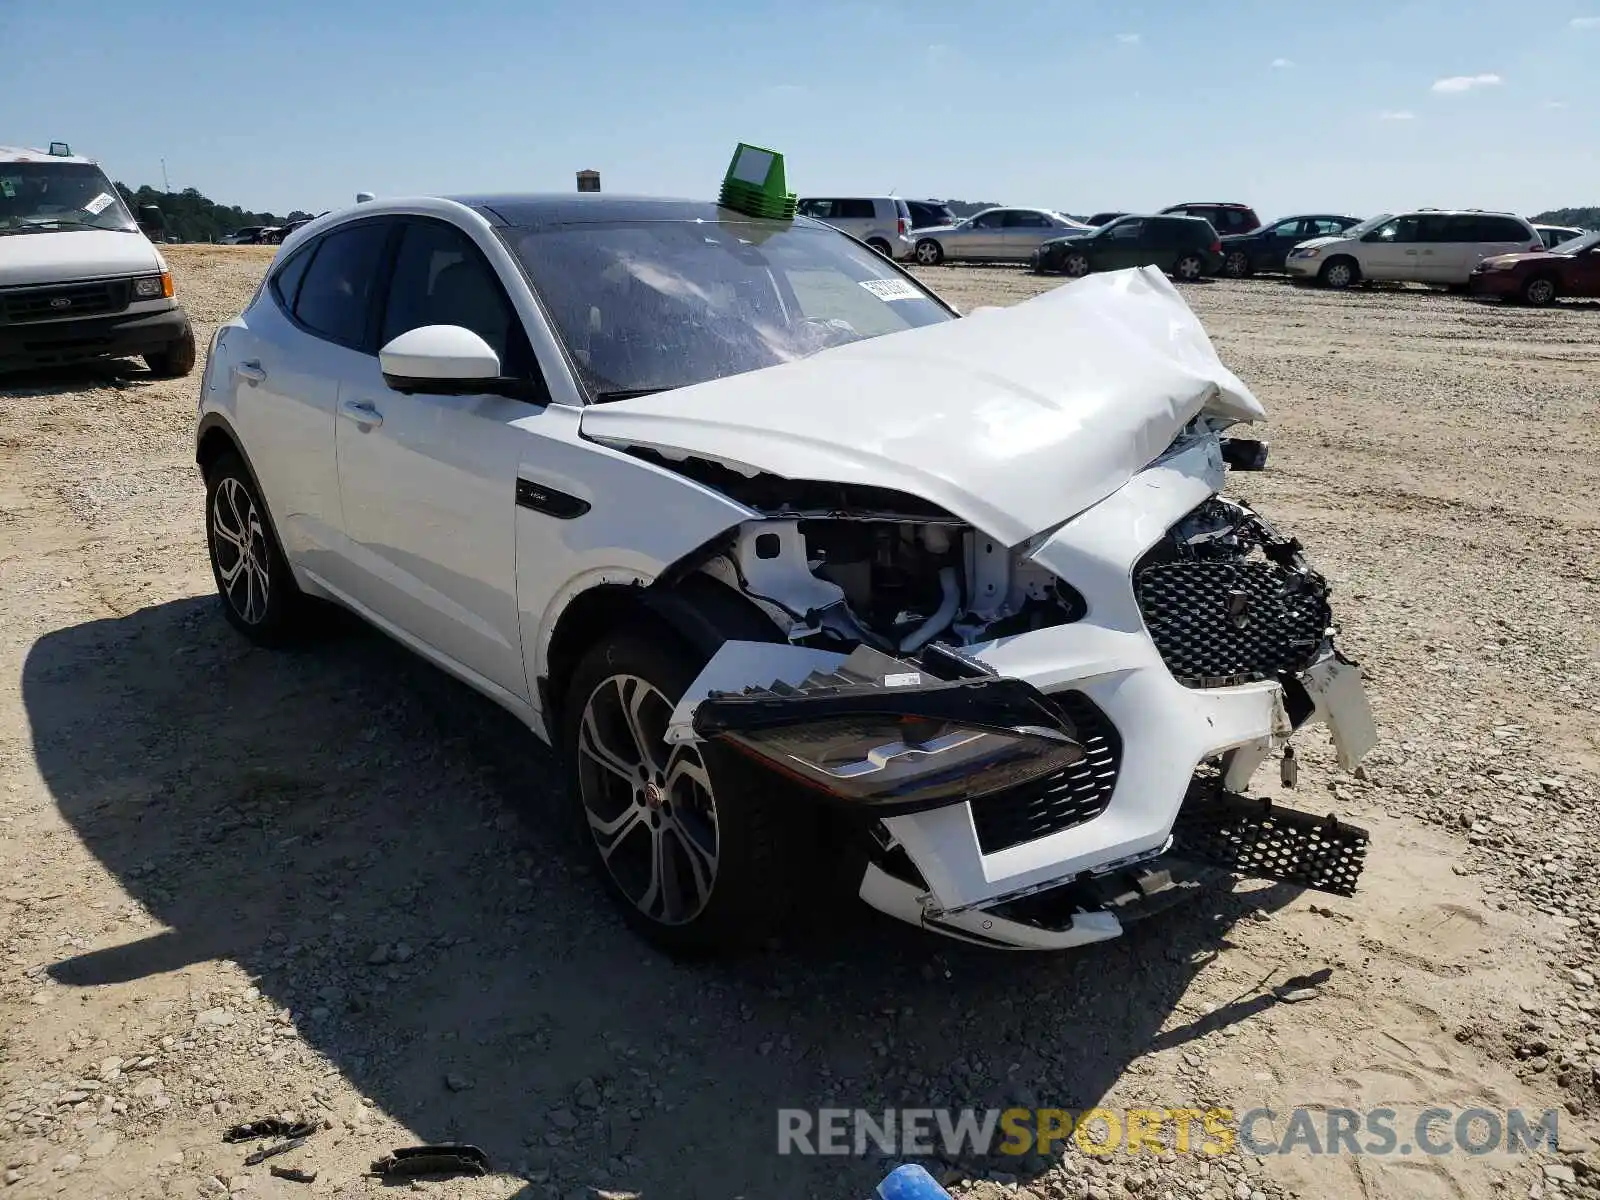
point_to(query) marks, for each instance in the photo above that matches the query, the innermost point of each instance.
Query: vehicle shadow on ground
(62, 381)
(299, 812)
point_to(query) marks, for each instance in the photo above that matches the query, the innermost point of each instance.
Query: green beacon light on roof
(754, 184)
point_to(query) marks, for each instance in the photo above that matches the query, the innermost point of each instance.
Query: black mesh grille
(1060, 801)
(66, 300)
(1217, 621)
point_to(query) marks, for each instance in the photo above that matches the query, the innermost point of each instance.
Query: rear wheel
(176, 360)
(1540, 291)
(1237, 265)
(881, 246)
(929, 253)
(259, 595)
(1338, 273)
(702, 852)
(1189, 268)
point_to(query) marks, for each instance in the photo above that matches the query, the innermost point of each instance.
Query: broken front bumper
(1140, 732)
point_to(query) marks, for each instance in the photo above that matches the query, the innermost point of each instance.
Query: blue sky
(1072, 104)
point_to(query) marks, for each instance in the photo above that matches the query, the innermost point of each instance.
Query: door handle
(1413, 251)
(361, 412)
(250, 372)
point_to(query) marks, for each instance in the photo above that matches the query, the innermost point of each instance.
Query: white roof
(26, 154)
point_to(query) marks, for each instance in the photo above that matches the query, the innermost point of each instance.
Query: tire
(928, 253)
(1237, 265)
(1540, 291)
(1189, 268)
(1339, 273)
(1076, 265)
(257, 590)
(734, 839)
(176, 361)
(881, 246)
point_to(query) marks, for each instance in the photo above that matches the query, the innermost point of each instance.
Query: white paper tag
(8, 188)
(891, 289)
(904, 679)
(98, 204)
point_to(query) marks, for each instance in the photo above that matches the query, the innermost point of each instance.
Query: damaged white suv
(807, 577)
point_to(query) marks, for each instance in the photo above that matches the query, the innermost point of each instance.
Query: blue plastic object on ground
(911, 1182)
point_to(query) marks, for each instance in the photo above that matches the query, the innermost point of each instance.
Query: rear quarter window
(860, 210)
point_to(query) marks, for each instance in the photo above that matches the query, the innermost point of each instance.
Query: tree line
(1580, 218)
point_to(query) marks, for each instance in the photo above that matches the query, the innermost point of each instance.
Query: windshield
(47, 196)
(1577, 245)
(645, 306)
(1366, 226)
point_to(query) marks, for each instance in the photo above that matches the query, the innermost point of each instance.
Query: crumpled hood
(1013, 419)
(66, 255)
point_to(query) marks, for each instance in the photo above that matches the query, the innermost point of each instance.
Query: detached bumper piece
(1253, 837)
(894, 737)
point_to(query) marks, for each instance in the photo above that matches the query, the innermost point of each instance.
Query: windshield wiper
(627, 393)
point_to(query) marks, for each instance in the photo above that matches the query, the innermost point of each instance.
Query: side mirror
(442, 360)
(150, 216)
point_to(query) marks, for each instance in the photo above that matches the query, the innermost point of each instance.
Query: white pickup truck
(78, 277)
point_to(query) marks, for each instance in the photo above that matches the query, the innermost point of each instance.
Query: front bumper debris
(1252, 837)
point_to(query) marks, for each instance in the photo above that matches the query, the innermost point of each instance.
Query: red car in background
(1571, 269)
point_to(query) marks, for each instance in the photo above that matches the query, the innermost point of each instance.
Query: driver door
(984, 238)
(1122, 245)
(429, 482)
(1393, 251)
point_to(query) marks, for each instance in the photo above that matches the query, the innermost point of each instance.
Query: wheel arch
(692, 607)
(214, 439)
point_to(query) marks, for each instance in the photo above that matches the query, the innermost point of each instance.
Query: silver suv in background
(882, 222)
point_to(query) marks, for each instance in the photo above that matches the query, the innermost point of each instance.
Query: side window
(335, 297)
(990, 220)
(1504, 229)
(1324, 227)
(286, 279)
(855, 210)
(1289, 229)
(1401, 229)
(1028, 220)
(1128, 231)
(441, 278)
(1446, 229)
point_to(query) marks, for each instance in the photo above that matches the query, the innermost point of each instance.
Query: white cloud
(941, 57)
(1465, 83)
(1555, 103)
(1279, 64)
(1585, 22)
(1128, 39)
(1397, 116)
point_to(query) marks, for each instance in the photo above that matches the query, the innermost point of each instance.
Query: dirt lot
(234, 883)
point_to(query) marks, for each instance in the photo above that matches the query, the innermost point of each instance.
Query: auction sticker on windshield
(891, 289)
(98, 204)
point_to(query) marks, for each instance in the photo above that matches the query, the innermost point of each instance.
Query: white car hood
(1013, 419)
(1317, 243)
(66, 255)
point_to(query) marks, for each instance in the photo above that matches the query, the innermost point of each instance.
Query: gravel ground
(238, 884)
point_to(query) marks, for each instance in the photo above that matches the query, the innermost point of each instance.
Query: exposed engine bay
(895, 585)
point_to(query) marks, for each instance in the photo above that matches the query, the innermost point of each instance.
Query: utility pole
(166, 185)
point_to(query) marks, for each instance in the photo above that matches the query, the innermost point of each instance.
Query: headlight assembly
(153, 287)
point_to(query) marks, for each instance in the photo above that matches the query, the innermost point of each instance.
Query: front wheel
(1337, 273)
(1237, 265)
(701, 851)
(1189, 268)
(1076, 266)
(929, 253)
(1539, 291)
(175, 360)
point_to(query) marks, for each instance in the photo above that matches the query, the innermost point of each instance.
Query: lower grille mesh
(1059, 801)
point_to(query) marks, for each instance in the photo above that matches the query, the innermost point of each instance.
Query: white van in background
(78, 277)
(882, 222)
(1425, 245)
